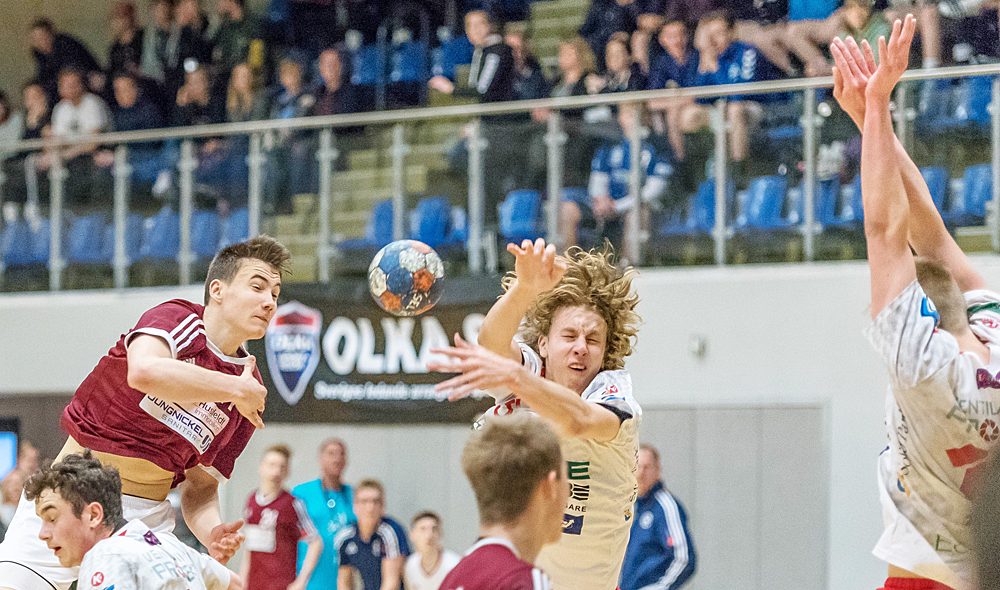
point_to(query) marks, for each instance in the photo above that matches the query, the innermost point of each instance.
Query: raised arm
(153, 370)
(536, 269)
(927, 233)
(884, 198)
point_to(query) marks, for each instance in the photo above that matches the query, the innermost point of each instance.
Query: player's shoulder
(306, 489)
(177, 307)
(391, 530)
(345, 533)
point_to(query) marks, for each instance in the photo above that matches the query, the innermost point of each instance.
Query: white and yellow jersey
(602, 487)
(942, 416)
(136, 558)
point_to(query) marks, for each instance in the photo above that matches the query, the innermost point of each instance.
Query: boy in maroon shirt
(519, 478)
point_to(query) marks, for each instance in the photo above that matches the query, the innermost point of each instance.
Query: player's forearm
(885, 204)
(565, 409)
(200, 504)
(344, 581)
(181, 382)
(310, 560)
(245, 565)
(392, 573)
(500, 325)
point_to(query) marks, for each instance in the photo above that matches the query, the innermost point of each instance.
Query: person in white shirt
(937, 330)
(556, 342)
(80, 504)
(430, 562)
(78, 114)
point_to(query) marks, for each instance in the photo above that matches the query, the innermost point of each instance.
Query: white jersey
(602, 487)
(136, 558)
(941, 419)
(414, 577)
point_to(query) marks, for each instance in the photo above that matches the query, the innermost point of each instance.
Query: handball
(405, 278)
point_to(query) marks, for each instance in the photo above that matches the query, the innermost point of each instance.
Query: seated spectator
(605, 18)
(291, 163)
(529, 81)
(11, 125)
(677, 67)
(764, 25)
(621, 74)
(639, 44)
(125, 53)
(244, 101)
(375, 547)
(24, 185)
(491, 77)
(154, 41)
(334, 95)
(651, 15)
(724, 60)
(576, 63)
(430, 562)
(608, 192)
(194, 104)
(186, 47)
(55, 52)
(808, 39)
(78, 113)
(235, 37)
(134, 112)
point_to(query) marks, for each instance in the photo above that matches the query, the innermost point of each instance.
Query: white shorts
(26, 563)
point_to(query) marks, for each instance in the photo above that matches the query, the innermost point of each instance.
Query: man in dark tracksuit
(660, 554)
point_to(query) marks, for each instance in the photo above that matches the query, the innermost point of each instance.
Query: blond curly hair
(594, 281)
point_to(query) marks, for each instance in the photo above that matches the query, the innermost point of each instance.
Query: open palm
(894, 57)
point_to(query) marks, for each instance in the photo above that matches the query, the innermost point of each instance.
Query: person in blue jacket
(660, 553)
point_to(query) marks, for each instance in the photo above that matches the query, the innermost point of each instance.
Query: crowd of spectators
(193, 64)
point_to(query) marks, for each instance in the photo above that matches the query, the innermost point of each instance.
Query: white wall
(775, 335)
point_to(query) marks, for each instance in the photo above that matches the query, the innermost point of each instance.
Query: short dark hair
(227, 262)
(80, 479)
(505, 462)
(71, 71)
(281, 449)
(723, 14)
(44, 24)
(425, 514)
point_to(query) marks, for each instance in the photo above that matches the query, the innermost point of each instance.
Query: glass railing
(752, 173)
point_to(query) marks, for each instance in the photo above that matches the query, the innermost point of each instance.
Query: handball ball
(405, 277)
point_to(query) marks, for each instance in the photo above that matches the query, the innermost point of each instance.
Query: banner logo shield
(293, 349)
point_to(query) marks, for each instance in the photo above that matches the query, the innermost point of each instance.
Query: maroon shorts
(913, 584)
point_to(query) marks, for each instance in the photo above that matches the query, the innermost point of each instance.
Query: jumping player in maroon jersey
(175, 400)
(516, 470)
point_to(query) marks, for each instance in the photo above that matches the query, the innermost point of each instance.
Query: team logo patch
(572, 524)
(150, 538)
(988, 430)
(293, 348)
(928, 310)
(646, 520)
(97, 579)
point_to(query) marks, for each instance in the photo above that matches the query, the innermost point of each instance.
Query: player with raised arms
(175, 400)
(557, 341)
(937, 330)
(80, 504)
(516, 471)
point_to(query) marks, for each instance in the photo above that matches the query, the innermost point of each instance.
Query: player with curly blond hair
(555, 343)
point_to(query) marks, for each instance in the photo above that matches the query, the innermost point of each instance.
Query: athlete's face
(68, 535)
(574, 347)
(648, 473)
(274, 469)
(251, 298)
(426, 535)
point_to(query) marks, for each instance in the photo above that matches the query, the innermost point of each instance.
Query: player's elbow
(141, 376)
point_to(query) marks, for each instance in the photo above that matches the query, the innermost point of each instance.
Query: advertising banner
(332, 355)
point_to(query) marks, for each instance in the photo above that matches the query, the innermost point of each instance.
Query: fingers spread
(869, 56)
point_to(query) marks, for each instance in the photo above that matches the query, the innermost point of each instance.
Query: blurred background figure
(430, 562)
(374, 548)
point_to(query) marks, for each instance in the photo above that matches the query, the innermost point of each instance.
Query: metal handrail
(474, 110)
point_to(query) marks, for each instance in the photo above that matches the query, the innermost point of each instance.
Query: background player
(430, 562)
(80, 504)
(374, 548)
(940, 347)
(515, 468)
(275, 521)
(175, 400)
(566, 363)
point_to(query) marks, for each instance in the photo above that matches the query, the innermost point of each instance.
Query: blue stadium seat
(936, 178)
(455, 52)
(365, 70)
(700, 219)
(520, 216)
(977, 190)
(378, 232)
(459, 226)
(161, 236)
(946, 106)
(431, 221)
(852, 213)
(827, 200)
(204, 234)
(764, 201)
(133, 239)
(14, 243)
(972, 101)
(235, 228)
(408, 62)
(84, 239)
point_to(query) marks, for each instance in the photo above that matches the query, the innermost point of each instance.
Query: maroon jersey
(107, 415)
(493, 564)
(273, 529)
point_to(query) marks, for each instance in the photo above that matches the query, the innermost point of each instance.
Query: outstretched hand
(481, 369)
(854, 66)
(536, 266)
(894, 57)
(225, 541)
